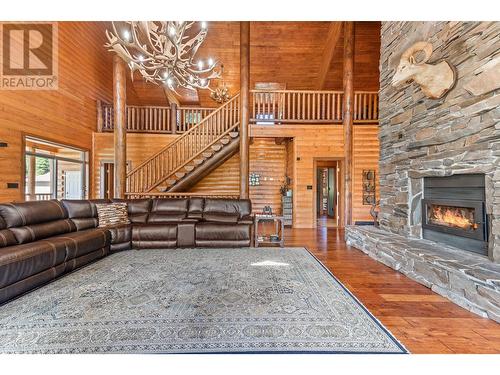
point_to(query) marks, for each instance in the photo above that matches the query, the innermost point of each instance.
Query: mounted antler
(434, 80)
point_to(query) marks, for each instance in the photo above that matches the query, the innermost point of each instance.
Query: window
(54, 171)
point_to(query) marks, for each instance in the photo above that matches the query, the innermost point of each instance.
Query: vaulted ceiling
(300, 55)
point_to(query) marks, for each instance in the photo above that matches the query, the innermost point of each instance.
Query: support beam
(120, 127)
(332, 39)
(348, 79)
(171, 97)
(173, 117)
(244, 112)
(32, 175)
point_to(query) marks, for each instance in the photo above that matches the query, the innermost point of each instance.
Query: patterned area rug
(265, 300)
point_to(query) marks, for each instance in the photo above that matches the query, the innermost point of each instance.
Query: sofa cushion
(120, 233)
(220, 217)
(151, 236)
(138, 209)
(22, 261)
(222, 232)
(40, 231)
(30, 213)
(112, 214)
(6, 236)
(152, 232)
(83, 213)
(248, 219)
(83, 242)
(242, 207)
(168, 210)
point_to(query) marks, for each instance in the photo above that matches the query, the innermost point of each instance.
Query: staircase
(193, 155)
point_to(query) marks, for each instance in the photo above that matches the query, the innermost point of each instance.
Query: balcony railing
(301, 106)
(266, 107)
(153, 119)
(39, 197)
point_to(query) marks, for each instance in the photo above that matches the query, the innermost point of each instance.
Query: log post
(347, 118)
(120, 126)
(100, 122)
(32, 175)
(173, 117)
(244, 112)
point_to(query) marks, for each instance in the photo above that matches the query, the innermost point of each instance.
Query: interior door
(331, 192)
(73, 187)
(107, 180)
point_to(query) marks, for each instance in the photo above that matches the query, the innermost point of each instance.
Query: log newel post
(347, 118)
(244, 112)
(120, 126)
(173, 117)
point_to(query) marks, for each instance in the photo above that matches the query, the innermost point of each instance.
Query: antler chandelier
(221, 93)
(164, 52)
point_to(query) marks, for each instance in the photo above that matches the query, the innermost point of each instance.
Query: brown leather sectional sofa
(40, 241)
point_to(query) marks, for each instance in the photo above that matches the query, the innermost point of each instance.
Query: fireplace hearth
(453, 212)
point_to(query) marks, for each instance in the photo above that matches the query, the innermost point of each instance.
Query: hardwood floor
(422, 320)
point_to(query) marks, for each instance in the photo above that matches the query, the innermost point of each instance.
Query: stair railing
(162, 165)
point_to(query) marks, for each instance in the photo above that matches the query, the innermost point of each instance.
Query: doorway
(106, 178)
(54, 170)
(327, 193)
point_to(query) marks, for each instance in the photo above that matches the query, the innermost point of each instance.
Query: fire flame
(453, 217)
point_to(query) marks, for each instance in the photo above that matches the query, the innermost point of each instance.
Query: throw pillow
(112, 214)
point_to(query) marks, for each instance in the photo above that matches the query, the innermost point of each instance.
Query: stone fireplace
(440, 166)
(452, 211)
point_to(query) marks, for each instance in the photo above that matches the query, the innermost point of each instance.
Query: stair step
(207, 154)
(198, 161)
(225, 141)
(233, 134)
(162, 189)
(217, 147)
(180, 174)
(189, 168)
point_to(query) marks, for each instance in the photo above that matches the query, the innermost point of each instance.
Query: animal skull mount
(435, 80)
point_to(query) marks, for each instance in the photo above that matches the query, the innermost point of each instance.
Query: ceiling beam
(334, 31)
(172, 98)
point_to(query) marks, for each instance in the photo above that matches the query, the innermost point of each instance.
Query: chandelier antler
(164, 52)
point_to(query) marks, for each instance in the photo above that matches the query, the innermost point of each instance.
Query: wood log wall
(67, 115)
(139, 147)
(266, 159)
(274, 162)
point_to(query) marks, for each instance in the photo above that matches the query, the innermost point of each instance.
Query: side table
(278, 239)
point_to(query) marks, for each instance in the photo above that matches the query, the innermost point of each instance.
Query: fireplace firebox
(453, 211)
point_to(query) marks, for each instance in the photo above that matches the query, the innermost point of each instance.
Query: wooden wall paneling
(365, 156)
(137, 145)
(267, 159)
(334, 32)
(67, 115)
(311, 143)
(280, 54)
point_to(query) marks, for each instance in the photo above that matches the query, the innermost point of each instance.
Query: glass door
(55, 171)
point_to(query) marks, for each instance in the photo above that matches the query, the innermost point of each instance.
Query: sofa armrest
(247, 219)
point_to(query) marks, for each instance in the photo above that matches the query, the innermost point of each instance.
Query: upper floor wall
(66, 115)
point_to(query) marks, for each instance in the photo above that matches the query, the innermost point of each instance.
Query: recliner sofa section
(40, 241)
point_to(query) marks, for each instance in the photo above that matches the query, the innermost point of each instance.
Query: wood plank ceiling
(290, 53)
